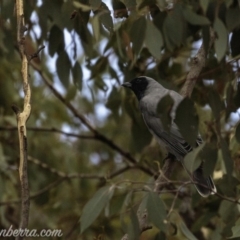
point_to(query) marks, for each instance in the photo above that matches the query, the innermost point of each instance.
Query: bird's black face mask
(138, 86)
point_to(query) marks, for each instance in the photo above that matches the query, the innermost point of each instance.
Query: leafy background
(90, 154)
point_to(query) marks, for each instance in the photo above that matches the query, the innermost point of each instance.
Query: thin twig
(53, 130)
(35, 55)
(79, 116)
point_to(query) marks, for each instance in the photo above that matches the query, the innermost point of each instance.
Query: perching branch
(22, 118)
(197, 64)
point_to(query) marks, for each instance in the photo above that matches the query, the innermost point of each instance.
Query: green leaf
(237, 132)
(77, 75)
(173, 28)
(114, 101)
(142, 138)
(194, 18)
(221, 40)
(96, 27)
(209, 156)
(154, 44)
(113, 74)
(164, 108)
(82, 6)
(236, 229)
(228, 184)
(181, 229)
(133, 227)
(95, 4)
(186, 231)
(187, 121)
(228, 162)
(71, 93)
(63, 65)
(232, 18)
(105, 17)
(99, 67)
(56, 40)
(130, 4)
(226, 210)
(162, 4)
(215, 103)
(156, 210)
(137, 33)
(204, 5)
(192, 160)
(95, 205)
(203, 220)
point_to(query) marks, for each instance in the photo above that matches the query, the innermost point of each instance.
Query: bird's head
(141, 86)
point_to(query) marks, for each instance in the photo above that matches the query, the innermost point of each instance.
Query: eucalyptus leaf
(156, 210)
(236, 230)
(56, 40)
(209, 155)
(215, 103)
(133, 227)
(204, 4)
(95, 4)
(194, 18)
(187, 121)
(221, 39)
(154, 44)
(232, 18)
(173, 28)
(226, 156)
(114, 101)
(95, 205)
(137, 34)
(105, 17)
(186, 231)
(192, 160)
(63, 65)
(82, 6)
(77, 75)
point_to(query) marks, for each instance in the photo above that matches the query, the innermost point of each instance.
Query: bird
(149, 93)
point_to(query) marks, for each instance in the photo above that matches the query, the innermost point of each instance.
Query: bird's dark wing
(173, 140)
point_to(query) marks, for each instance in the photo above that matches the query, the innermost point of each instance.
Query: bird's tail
(204, 185)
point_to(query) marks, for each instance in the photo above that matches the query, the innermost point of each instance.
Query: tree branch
(22, 118)
(96, 133)
(53, 130)
(197, 64)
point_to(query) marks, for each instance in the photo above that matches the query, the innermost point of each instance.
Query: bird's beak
(127, 84)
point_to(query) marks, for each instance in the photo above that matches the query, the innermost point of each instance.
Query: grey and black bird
(149, 92)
